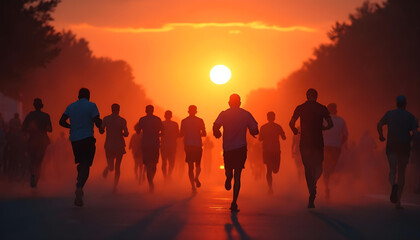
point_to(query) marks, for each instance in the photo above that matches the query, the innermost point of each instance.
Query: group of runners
(322, 135)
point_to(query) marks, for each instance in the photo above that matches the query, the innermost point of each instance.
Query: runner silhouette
(311, 114)
(235, 122)
(36, 125)
(116, 130)
(83, 115)
(150, 126)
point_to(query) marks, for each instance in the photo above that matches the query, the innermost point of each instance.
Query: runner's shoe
(228, 184)
(394, 197)
(105, 172)
(78, 201)
(197, 183)
(234, 207)
(311, 202)
(33, 182)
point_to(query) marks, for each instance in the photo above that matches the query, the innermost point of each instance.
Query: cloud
(172, 26)
(234, 31)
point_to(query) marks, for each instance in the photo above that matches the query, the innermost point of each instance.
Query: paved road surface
(173, 213)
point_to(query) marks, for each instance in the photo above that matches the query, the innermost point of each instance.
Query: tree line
(369, 60)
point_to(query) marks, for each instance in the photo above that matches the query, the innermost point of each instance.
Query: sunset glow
(220, 74)
(210, 119)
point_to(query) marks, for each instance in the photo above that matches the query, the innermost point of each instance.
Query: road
(172, 212)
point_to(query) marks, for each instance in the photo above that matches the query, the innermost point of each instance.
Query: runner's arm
(49, 125)
(125, 130)
(329, 123)
(98, 123)
(203, 129)
(137, 127)
(380, 125)
(261, 136)
(253, 126)
(282, 134)
(216, 130)
(63, 121)
(292, 123)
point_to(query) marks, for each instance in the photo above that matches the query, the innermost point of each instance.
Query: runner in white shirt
(334, 140)
(193, 129)
(235, 122)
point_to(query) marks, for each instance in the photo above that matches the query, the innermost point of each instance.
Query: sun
(220, 74)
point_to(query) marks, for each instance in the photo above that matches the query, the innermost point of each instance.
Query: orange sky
(172, 45)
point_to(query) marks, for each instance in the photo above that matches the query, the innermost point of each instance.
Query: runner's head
(38, 104)
(234, 100)
(115, 108)
(271, 116)
(84, 93)
(150, 109)
(332, 108)
(168, 115)
(401, 101)
(192, 110)
(311, 94)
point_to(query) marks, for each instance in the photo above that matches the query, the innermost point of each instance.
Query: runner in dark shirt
(116, 129)
(35, 126)
(168, 144)
(269, 135)
(311, 114)
(151, 128)
(193, 129)
(401, 125)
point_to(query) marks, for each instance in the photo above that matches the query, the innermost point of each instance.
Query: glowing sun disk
(220, 74)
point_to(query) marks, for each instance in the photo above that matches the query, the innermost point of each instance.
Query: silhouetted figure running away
(334, 140)
(35, 126)
(116, 130)
(135, 146)
(168, 145)
(193, 129)
(151, 128)
(269, 135)
(311, 114)
(401, 124)
(83, 114)
(235, 122)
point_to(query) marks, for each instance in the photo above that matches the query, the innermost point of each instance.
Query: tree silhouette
(110, 81)
(370, 60)
(27, 40)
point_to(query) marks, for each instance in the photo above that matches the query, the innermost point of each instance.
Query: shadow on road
(342, 228)
(235, 225)
(162, 223)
